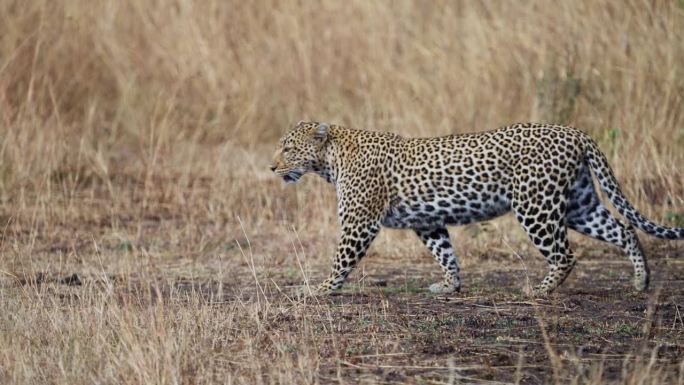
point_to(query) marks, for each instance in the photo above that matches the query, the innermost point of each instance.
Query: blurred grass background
(94, 86)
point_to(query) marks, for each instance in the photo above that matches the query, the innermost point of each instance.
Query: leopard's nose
(273, 168)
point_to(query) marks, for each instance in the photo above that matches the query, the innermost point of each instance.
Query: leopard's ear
(321, 132)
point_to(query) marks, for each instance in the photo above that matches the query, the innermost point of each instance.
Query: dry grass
(134, 144)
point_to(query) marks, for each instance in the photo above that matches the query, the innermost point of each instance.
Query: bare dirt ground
(384, 327)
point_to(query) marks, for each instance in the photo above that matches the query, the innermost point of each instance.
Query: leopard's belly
(440, 213)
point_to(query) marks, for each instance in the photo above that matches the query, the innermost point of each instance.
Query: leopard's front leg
(354, 241)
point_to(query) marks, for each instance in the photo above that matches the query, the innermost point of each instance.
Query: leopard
(540, 172)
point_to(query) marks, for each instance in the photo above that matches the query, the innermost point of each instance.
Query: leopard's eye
(287, 149)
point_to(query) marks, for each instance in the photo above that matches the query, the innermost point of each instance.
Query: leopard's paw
(640, 284)
(535, 292)
(442, 288)
(313, 291)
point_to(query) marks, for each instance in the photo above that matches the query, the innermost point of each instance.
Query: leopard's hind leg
(437, 240)
(588, 216)
(551, 240)
(540, 206)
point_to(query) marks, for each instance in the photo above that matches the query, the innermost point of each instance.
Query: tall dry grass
(136, 132)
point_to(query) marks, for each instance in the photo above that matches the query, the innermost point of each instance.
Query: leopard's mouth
(289, 176)
(292, 177)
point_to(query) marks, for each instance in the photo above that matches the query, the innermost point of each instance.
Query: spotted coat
(540, 172)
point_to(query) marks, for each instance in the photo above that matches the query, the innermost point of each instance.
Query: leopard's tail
(599, 165)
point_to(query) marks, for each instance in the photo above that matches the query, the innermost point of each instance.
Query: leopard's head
(299, 151)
